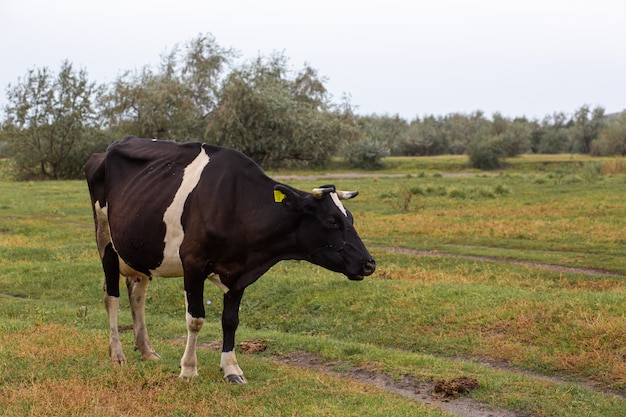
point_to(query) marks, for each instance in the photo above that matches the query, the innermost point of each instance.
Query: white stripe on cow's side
(174, 234)
(338, 203)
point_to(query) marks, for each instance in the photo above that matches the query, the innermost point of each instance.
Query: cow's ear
(287, 197)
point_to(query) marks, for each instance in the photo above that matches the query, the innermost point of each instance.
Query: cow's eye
(332, 221)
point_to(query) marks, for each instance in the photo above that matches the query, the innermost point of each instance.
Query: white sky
(407, 57)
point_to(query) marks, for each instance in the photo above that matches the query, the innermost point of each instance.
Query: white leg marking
(174, 234)
(112, 305)
(189, 361)
(229, 365)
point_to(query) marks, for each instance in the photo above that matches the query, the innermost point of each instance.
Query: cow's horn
(347, 195)
(318, 193)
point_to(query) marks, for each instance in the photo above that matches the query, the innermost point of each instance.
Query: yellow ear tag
(279, 196)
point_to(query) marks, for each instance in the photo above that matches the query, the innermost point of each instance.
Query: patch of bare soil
(551, 267)
(444, 394)
(254, 345)
(247, 346)
(453, 388)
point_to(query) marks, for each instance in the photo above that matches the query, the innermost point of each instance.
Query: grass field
(540, 341)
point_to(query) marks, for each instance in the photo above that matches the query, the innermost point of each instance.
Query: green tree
(279, 119)
(388, 131)
(554, 136)
(46, 120)
(174, 101)
(460, 129)
(498, 140)
(612, 137)
(424, 137)
(517, 137)
(585, 128)
(513, 137)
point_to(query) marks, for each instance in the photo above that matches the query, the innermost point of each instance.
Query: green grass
(429, 317)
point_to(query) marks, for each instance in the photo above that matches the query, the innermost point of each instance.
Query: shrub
(417, 190)
(591, 172)
(366, 153)
(486, 152)
(613, 166)
(456, 193)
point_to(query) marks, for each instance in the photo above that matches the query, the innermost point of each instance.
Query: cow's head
(326, 231)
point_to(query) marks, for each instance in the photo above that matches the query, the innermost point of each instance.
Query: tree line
(278, 116)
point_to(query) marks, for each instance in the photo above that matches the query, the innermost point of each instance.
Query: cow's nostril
(369, 267)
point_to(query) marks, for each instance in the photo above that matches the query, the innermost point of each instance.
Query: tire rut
(407, 386)
(550, 267)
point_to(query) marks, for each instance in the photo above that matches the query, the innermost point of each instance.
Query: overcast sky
(408, 57)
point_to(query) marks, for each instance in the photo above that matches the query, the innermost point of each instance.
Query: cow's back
(157, 193)
(141, 179)
(142, 167)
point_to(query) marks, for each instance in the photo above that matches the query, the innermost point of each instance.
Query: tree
(461, 129)
(498, 140)
(278, 119)
(424, 138)
(517, 137)
(387, 131)
(47, 118)
(554, 137)
(612, 138)
(174, 101)
(586, 128)
(512, 137)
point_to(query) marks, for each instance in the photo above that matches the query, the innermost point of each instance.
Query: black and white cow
(200, 211)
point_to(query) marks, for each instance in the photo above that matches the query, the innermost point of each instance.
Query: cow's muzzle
(368, 269)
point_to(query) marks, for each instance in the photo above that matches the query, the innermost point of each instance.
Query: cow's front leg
(137, 289)
(195, 320)
(230, 321)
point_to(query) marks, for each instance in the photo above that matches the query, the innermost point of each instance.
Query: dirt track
(551, 267)
(443, 394)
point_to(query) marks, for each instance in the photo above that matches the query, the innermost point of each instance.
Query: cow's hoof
(187, 373)
(119, 358)
(152, 356)
(116, 353)
(236, 379)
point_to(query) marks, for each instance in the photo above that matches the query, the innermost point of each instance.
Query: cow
(167, 209)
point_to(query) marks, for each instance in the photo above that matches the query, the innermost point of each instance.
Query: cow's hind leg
(137, 288)
(110, 265)
(112, 305)
(230, 322)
